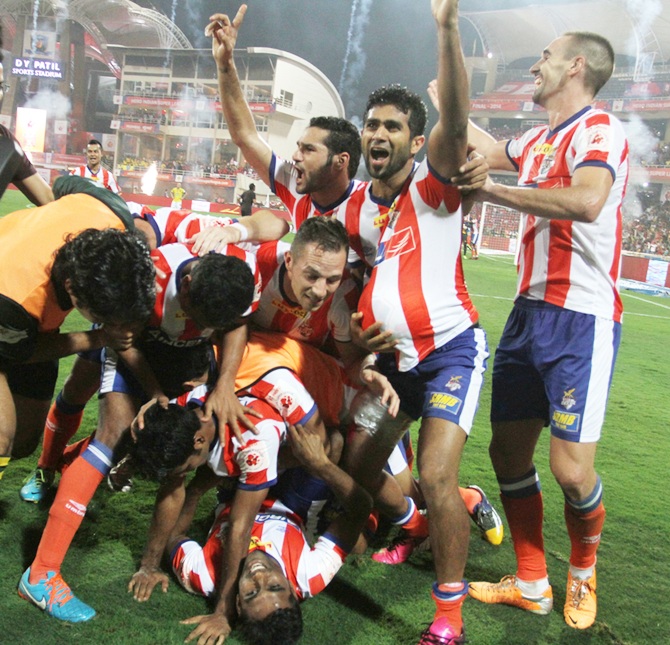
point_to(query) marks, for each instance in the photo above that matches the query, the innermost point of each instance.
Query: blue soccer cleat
(53, 595)
(36, 485)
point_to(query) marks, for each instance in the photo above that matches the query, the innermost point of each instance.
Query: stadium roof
(110, 22)
(639, 29)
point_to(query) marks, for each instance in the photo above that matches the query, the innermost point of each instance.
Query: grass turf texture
(369, 603)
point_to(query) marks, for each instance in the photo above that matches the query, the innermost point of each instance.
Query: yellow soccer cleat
(506, 592)
(580, 602)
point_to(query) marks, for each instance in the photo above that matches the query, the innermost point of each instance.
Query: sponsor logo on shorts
(454, 383)
(441, 401)
(565, 421)
(568, 400)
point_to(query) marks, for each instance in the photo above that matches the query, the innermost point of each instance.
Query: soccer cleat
(36, 485)
(440, 632)
(507, 592)
(580, 602)
(487, 519)
(120, 478)
(399, 550)
(52, 595)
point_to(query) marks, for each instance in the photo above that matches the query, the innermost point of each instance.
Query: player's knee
(576, 481)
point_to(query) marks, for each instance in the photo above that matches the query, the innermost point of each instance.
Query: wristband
(244, 234)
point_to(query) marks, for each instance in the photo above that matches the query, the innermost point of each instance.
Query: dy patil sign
(39, 57)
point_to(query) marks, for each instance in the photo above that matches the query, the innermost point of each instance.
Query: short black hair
(281, 627)
(165, 442)
(327, 233)
(252, 186)
(175, 365)
(222, 289)
(599, 56)
(94, 142)
(343, 136)
(406, 101)
(111, 274)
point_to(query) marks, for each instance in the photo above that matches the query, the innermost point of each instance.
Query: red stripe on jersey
(409, 278)
(160, 262)
(175, 218)
(352, 221)
(267, 261)
(294, 543)
(301, 210)
(316, 585)
(559, 262)
(528, 238)
(527, 149)
(285, 195)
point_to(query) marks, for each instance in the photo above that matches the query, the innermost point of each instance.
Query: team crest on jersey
(454, 383)
(255, 544)
(306, 330)
(547, 164)
(253, 458)
(568, 401)
(441, 401)
(283, 400)
(599, 138)
(398, 244)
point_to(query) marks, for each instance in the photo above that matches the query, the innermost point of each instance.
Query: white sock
(533, 588)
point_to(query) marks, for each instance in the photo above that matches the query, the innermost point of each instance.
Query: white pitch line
(649, 302)
(626, 313)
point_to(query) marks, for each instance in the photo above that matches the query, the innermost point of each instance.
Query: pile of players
(288, 374)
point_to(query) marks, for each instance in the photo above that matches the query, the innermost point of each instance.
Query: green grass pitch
(369, 604)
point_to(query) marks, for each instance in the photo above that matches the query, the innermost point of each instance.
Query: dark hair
(281, 627)
(95, 142)
(599, 56)
(343, 136)
(175, 365)
(252, 186)
(111, 274)
(327, 233)
(406, 101)
(222, 289)
(165, 442)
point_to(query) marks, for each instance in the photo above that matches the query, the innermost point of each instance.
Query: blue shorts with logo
(556, 365)
(445, 384)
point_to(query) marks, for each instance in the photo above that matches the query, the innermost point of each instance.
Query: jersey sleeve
(257, 458)
(318, 566)
(600, 142)
(282, 183)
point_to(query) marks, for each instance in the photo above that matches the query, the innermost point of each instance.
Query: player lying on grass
(77, 252)
(280, 567)
(169, 436)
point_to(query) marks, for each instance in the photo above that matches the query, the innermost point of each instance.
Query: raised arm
(447, 144)
(236, 111)
(36, 189)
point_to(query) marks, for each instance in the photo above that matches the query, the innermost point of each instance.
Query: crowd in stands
(650, 232)
(229, 169)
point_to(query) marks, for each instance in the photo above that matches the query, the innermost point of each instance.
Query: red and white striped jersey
(168, 323)
(172, 226)
(277, 312)
(278, 532)
(574, 265)
(254, 461)
(363, 216)
(417, 289)
(101, 178)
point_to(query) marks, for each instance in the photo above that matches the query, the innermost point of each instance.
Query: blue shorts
(445, 384)
(555, 364)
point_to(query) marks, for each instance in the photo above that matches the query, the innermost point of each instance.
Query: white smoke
(354, 56)
(642, 144)
(56, 105)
